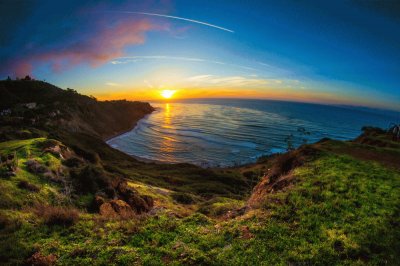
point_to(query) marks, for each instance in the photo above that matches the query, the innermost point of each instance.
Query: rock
(122, 208)
(125, 190)
(115, 209)
(139, 203)
(38, 259)
(57, 149)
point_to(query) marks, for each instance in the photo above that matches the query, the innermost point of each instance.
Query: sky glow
(337, 52)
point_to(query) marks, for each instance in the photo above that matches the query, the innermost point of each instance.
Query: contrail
(179, 18)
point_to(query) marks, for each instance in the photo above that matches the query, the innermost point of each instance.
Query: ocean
(227, 132)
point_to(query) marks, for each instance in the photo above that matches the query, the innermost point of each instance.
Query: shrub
(35, 167)
(4, 221)
(372, 130)
(40, 259)
(48, 143)
(249, 174)
(219, 206)
(73, 162)
(90, 179)
(8, 224)
(28, 186)
(57, 215)
(183, 198)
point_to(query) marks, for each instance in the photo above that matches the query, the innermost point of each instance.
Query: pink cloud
(95, 49)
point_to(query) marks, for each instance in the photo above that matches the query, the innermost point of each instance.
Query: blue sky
(319, 51)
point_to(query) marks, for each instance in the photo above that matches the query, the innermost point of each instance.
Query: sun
(167, 94)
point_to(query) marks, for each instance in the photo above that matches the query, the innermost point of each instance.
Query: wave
(235, 132)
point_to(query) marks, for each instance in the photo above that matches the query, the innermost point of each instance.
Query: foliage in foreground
(342, 211)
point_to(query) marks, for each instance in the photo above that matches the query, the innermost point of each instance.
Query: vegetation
(56, 215)
(395, 130)
(67, 198)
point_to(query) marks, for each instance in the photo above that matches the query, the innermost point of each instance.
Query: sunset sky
(345, 52)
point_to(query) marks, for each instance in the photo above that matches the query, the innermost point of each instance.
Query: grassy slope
(82, 123)
(341, 210)
(178, 177)
(11, 196)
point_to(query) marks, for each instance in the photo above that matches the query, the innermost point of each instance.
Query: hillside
(67, 198)
(42, 105)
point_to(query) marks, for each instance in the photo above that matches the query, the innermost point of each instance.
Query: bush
(4, 221)
(219, 206)
(35, 167)
(28, 186)
(48, 143)
(249, 174)
(372, 130)
(73, 162)
(8, 224)
(90, 179)
(40, 259)
(57, 215)
(183, 198)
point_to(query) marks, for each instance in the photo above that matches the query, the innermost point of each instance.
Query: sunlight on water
(229, 132)
(167, 144)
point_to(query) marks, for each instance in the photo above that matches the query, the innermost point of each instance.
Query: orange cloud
(96, 49)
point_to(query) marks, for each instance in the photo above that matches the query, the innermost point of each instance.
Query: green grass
(343, 211)
(185, 178)
(11, 195)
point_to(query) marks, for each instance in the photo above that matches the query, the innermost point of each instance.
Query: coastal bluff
(42, 105)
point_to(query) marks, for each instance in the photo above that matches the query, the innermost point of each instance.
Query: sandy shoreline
(141, 159)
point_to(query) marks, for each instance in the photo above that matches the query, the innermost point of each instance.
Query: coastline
(106, 139)
(138, 158)
(122, 132)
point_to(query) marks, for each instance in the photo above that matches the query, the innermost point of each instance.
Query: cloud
(228, 81)
(134, 59)
(55, 35)
(178, 18)
(107, 43)
(200, 78)
(114, 84)
(148, 84)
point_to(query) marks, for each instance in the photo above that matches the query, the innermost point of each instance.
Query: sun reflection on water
(167, 143)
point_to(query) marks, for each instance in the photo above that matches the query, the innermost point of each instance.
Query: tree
(27, 77)
(71, 91)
